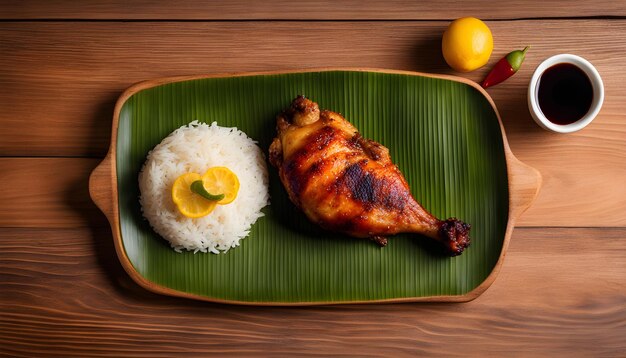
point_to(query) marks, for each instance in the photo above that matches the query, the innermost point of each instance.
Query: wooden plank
(64, 293)
(311, 10)
(50, 192)
(53, 193)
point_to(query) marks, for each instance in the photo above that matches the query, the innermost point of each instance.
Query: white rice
(196, 148)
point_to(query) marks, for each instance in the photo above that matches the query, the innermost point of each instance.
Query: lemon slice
(189, 203)
(221, 180)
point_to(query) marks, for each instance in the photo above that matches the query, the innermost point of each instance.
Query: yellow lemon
(221, 180)
(190, 204)
(467, 44)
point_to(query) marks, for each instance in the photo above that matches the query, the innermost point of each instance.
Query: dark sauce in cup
(565, 93)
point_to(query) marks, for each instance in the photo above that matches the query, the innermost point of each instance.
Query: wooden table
(63, 292)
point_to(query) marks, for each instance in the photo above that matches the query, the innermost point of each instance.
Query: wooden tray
(444, 132)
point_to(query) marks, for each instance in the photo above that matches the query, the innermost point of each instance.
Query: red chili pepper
(505, 68)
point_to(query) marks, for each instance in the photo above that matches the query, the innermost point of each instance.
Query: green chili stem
(198, 188)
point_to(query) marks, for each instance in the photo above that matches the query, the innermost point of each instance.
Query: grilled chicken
(346, 183)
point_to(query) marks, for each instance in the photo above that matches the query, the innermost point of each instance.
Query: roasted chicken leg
(348, 184)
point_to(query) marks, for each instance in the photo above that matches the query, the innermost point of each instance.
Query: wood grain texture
(311, 10)
(597, 151)
(48, 192)
(60, 197)
(72, 73)
(561, 292)
(64, 293)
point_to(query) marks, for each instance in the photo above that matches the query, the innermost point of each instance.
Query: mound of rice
(196, 148)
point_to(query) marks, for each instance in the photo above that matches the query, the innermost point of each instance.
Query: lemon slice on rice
(194, 202)
(221, 180)
(190, 204)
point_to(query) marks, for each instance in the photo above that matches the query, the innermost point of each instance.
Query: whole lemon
(467, 44)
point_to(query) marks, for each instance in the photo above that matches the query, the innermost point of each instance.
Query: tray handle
(524, 186)
(101, 187)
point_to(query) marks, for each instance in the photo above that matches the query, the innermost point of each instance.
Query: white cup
(596, 83)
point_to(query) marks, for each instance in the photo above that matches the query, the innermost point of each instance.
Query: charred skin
(348, 184)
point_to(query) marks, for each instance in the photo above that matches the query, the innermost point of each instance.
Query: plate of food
(324, 186)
